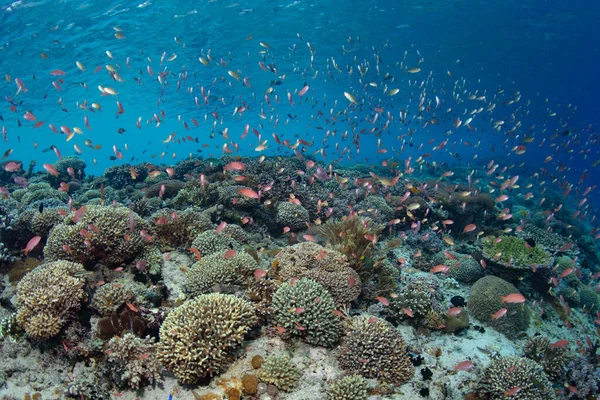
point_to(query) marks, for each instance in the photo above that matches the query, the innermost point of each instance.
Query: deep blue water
(543, 52)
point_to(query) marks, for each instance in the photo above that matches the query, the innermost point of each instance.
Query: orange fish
(248, 193)
(513, 298)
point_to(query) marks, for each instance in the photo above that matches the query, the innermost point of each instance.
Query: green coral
(351, 387)
(198, 338)
(48, 297)
(485, 300)
(589, 299)
(280, 371)
(42, 191)
(305, 309)
(504, 374)
(514, 252)
(111, 241)
(210, 242)
(219, 268)
(373, 348)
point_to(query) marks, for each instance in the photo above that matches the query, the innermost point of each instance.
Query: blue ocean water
(542, 53)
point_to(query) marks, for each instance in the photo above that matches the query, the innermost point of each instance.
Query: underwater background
(221, 199)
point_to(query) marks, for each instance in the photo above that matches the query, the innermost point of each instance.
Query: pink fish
(454, 311)
(309, 238)
(31, 244)
(499, 314)
(383, 300)
(469, 228)
(303, 91)
(79, 213)
(50, 169)
(513, 298)
(512, 391)
(221, 226)
(248, 193)
(259, 273)
(439, 268)
(12, 166)
(567, 272)
(464, 365)
(235, 166)
(560, 343)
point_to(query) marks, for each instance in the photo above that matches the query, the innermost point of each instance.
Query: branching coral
(351, 387)
(504, 374)
(279, 370)
(106, 234)
(197, 339)
(554, 360)
(48, 297)
(110, 297)
(219, 268)
(210, 242)
(133, 360)
(372, 348)
(325, 266)
(305, 309)
(420, 297)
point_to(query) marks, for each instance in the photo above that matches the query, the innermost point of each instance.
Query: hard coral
(48, 297)
(513, 252)
(372, 348)
(305, 309)
(351, 387)
(180, 228)
(485, 300)
(279, 370)
(197, 339)
(116, 238)
(292, 215)
(110, 297)
(504, 374)
(325, 266)
(210, 242)
(349, 237)
(219, 268)
(554, 360)
(132, 361)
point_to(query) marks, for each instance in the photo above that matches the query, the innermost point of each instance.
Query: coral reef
(485, 300)
(372, 348)
(197, 339)
(305, 309)
(210, 242)
(110, 235)
(48, 297)
(218, 269)
(279, 370)
(180, 228)
(351, 387)
(554, 360)
(111, 297)
(292, 215)
(324, 266)
(504, 374)
(132, 361)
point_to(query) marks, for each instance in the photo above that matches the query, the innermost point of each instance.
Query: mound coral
(210, 242)
(292, 215)
(280, 371)
(325, 266)
(305, 309)
(504, 374)
(421, 297)
(485, 301)
(106, 234)
(48, 297)
(372, 348)
(197, 339)
(554, 360)
(42, 192)
(351, 387)
(132, 361)
(219, 268)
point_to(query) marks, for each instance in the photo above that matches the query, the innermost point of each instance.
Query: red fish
(513, 298)
(221, 226)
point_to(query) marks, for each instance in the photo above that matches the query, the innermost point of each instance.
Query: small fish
(513, 298)
(512, 391)
(499, 314)
(34, 241)
(463, 365)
